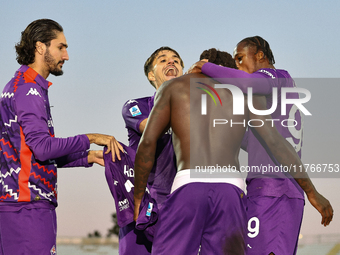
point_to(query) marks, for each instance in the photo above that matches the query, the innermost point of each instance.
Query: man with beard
(28, 149)
(164, 64)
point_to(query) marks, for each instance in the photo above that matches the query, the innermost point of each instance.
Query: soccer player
(275, 200)
(163, 64)
(203, 211)
(29, 151)
(181, 221)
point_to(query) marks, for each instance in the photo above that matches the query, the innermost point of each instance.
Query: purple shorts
(28, 230)
(273, 224)
(133, 241)
(208, 214)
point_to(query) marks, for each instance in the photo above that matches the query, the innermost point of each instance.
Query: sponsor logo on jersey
(134, 110)
(130, 102)
(128, 171)
(33, 91)
(124, 204)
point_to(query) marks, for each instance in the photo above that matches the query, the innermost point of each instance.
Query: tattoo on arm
(143, 165)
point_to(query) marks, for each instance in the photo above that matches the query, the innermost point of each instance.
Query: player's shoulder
(273, 73)
(177, 83)
(267, 73)
(281, 73)
(27, 89)
(131, 102)
(135, 107)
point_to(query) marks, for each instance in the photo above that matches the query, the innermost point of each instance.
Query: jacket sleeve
(34, 118)
(261, 81)
(134, 112)
(74, 160)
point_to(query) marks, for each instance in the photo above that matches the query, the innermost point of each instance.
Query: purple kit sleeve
(74, 160)
(134, 112)
(241, 79)
(34, 120)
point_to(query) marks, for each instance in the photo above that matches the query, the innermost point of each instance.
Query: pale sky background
(109, 42)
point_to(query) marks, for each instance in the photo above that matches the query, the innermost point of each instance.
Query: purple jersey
(120, 178)
(262, 82)
(28, 149)
(164, 170)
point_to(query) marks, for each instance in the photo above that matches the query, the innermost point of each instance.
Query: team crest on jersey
(53, 250)
(134, 110)
(33, 92)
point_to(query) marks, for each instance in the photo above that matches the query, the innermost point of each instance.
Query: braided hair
(219, 58)
(260, 44)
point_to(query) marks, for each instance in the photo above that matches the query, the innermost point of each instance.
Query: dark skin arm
(158, 122)
(286, 156)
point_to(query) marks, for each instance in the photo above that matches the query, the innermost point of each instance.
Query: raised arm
(262, 83)
(285, 154)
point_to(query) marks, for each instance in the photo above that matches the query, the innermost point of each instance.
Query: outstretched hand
(110, 142)
(96, 157)
(323, 206)
(197, 67)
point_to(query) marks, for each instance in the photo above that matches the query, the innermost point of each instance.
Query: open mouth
(171, 71)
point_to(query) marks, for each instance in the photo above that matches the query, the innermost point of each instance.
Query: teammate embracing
(275, 200)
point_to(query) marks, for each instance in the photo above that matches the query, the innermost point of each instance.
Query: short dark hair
(219, 58)
(148, 63)
(41, 30)
(260, 44)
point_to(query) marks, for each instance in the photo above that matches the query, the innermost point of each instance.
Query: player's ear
(40, 47)
(151, 76)
(260, 57)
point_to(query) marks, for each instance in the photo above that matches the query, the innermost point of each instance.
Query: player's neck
(40, 69)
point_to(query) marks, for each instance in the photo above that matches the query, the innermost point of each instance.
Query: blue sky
(109, 42)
